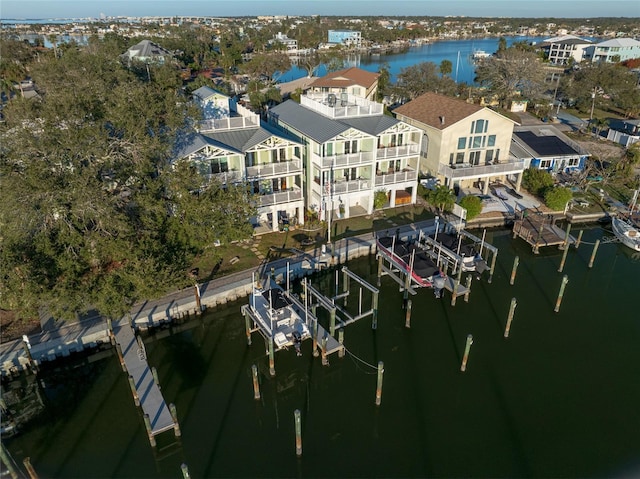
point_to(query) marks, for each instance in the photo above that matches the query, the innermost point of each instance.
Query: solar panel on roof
(545, 145)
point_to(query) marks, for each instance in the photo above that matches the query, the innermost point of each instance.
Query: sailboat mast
(457, 65)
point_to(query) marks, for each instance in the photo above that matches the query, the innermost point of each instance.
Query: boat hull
(626, 233)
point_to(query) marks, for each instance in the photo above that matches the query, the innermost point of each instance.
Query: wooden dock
(146, 389)
(539, 230)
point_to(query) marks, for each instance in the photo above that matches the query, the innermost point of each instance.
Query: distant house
(291, 44)
(466, 144)
(613, 51)
(625, 132)
(345, 37)
(546, 148)
(350, 81)
(560, 50)
(147, 52)
(213, 104)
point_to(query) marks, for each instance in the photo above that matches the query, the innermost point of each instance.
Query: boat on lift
(411, 258)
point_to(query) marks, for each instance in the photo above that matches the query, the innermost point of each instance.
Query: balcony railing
(280, 197)
(466, 170)
(397, 177)
(232, 123)
(343, 187)
(344, 161)
(227, 176)
(397, 151)
(272, 169)
(333, 106)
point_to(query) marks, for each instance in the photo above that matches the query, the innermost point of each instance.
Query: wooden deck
(151, 400)
(539, 230)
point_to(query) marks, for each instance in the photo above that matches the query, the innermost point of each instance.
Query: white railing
(227, 176)
(397, 151)
(334, 107)
(281, 197)
(271, 169)
(398, 177)
(466, 170)
(342, 161)
(342, 187)
(231, 123)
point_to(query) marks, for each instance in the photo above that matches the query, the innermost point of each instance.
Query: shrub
(473, 205)
(537, 181)
(441, 197)
(379, 199)
(557, 198)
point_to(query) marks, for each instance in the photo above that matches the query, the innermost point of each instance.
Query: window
(327, 149)
(459, 158)
(350, 146)
(488, 157)
(480, 126)
(474, 157)
(462, 141)
(492, 140)
(477, 142)
(219, 165)
(545, 164)
(574, 161)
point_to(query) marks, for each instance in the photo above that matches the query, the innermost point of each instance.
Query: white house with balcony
(349, 81)
(613, 51)
(563, 49)
(236, 149)
(467, 145)
(352, 150)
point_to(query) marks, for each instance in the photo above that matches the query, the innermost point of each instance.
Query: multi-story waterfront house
(467, 144)
(561, 50)
(613, 51)
(352, 151)
(350, 81)
(233, 147)
(350, 38)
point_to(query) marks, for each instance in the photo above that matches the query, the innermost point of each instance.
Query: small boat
(411, 258)
(471, 259)
(479, 55)
(628, 234)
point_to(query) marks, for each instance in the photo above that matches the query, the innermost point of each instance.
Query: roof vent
(442, 120)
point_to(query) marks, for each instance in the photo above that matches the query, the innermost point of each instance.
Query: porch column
(485, 186)
(519, 180)
(414, 194)
(392, 198)
(274, 216)
(300, 213)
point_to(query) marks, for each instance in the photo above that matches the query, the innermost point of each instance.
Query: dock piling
(185, 471)
(341, 341)
(315, 336)
(454, 294)
(407, 319)
(256, 383)
(272, 366)
(174, 416)
(379, 387)
(468, 292)
(516, 262)
(493, 266)
(30, 470)
(579, 238)
(374, 317)
(7, 461)
(298, 422)
(154, 372)
(593, 254)
(147, 425)
(247, 324)
(325, 360)
(467, 349)
(121, 357)
(565, 280)
(565, 243)
(134, 391)
(512, 309)
(564, 259)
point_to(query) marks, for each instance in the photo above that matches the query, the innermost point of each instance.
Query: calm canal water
(558, 398)
(458, 52)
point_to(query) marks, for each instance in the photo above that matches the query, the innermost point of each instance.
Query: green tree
(557, 197)
(415, 80)
(384, 80)
(441, 197)
(380, 199)
(472, 204)
(446, 67)
(536, 181)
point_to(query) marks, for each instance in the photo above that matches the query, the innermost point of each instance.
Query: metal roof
(308, 122)
(373, 125)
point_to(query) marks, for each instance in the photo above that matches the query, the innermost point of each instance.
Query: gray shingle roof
(373, 125)
(308, 122)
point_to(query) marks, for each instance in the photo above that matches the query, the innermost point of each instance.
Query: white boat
(480, 54)
(628, 234)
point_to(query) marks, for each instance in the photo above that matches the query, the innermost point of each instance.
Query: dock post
(407, 319)
(512, 309)
(454, 295)
(256, 383)
(315, 337)
(341, 341)
(593, 254)
(468, 291)
(516, 262)
(147, 425)
(272, 367)
(174, 416)
(247, 325)
(121, 357)
(185, 471)
(29, 468)
(564, 259)
(325, 361)
(379, 387)
(374, 317)
(467, 349)
(4, 455)
(332, 322)
(27, 351)
(112, 338)
(198, 304)
(298, 422)
(379, 269)
(565, 280)
(154, 373)
(579, 238)
(345, 286)
(134, 391)
(565, 244)
(493, 266)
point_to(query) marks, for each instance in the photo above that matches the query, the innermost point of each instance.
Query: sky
(473, 8)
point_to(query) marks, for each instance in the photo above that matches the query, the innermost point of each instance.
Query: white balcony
(392, 152)
(284, 168)
(342, 187)
(340, 106)
(344, 161)
(466, 170)
(397, 177)
(280, 197)
(231, 123)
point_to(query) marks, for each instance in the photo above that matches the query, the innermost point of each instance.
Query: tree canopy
(93, 214)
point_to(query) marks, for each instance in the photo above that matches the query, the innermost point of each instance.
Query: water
(432, 52)
(557, 399)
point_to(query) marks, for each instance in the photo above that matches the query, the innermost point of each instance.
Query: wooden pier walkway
(539, 230)
(135, 359)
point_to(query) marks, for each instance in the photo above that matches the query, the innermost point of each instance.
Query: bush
(379, 199)
(537, 181)
(441, 197)
(473, 205)
(557, 198)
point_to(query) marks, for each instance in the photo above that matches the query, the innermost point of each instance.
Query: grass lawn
(219, 261)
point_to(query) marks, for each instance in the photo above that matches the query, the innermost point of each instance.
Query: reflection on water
(558, 398)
